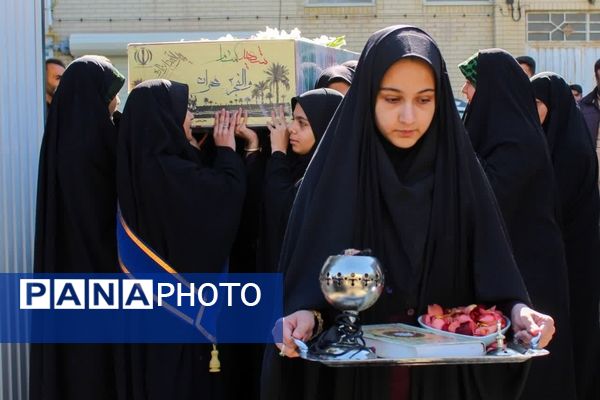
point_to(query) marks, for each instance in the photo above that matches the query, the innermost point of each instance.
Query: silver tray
(514, 354)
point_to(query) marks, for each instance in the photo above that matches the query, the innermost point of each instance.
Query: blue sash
(136, 257)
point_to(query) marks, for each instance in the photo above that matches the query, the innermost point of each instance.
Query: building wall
(512, 36)
(572, 59)
(21, 128)
(460, 30)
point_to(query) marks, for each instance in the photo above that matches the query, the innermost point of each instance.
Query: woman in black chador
(504, 128)
(576, 172)
(337, 77)
(75, 223)
(312, 112)
(395, 173)
(186, 212)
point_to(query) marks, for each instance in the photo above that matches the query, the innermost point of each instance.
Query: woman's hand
(528, 323)
(242, 131)
(298, 325)
(280, 136)
(224, 129)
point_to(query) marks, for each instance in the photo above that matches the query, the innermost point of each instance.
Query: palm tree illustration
(255, 94)
(269, 97)
(258, 91)
(278, 74)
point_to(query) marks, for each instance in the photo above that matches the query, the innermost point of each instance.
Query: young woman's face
(187, 125)
(302, 138)
(468, 90)
(405, 103)
(542, 110)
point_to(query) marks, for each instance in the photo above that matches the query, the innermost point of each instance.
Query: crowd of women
(499, 208)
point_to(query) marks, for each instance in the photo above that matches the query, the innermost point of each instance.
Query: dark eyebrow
(298, 117)
(400, 91)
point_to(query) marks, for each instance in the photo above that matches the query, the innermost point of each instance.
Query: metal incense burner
(351, 283)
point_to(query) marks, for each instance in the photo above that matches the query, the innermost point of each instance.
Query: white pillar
(21, 129)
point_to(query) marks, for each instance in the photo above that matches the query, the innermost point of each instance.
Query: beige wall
(460, 30)
(512, 36)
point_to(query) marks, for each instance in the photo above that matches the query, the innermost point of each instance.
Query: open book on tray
(406, 341)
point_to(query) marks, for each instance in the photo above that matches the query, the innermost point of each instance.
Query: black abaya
(427, 213)
(188, 214)
(503, 125)
(75, 222)
(283, 173)
(576, 171)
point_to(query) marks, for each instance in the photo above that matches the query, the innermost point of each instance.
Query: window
(563, 27)
(340, 3)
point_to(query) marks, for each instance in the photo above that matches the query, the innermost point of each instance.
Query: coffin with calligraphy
(256, 75)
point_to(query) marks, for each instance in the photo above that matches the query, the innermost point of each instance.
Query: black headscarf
(576, 171)
(76, 188)
(504, 127)
(427, 213)
(571, 149)
(283, 175)
(319, 106)
(335, 73)
(75, 222)
(187, 213)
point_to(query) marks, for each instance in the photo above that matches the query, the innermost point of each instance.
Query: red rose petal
(437, 323)
(434, 310)
(453, 326)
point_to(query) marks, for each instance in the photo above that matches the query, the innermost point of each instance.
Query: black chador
(285, 171)
(335, 73)
(188, 213)
(504, 127)
(75, 223)
(426, 212)
(576, 171)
